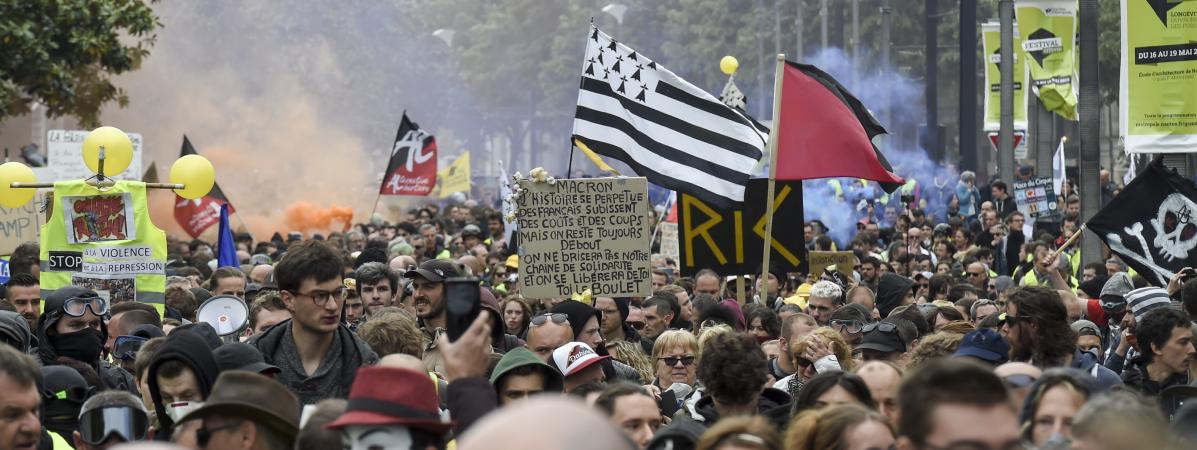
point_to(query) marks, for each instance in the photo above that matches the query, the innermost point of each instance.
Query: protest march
(593, 230)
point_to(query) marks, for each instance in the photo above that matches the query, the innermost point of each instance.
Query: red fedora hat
(393, 396)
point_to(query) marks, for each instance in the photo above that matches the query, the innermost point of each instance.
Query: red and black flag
(825, 132)
(197, 215)
(412, 168)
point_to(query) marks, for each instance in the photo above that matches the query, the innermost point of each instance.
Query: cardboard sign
(668, 241)
(730, 241)
(64, 154)
(19, 225)
(584, 234)
(820, 261)
(1036, 198)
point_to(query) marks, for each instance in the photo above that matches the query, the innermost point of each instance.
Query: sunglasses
(673, 360)
(636, 325)
(557, 318)
(884, 327)
(1012, 320)
(126, 347)
(101, 424)
(77, 306)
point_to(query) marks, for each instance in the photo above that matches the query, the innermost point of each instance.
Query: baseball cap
(574, 357)
(1085, 328)
(984, 344)
(471, 230)
(434, 270)
(924, 275)
(242, 356)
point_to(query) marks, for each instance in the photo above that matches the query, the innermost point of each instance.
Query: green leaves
(62, 53)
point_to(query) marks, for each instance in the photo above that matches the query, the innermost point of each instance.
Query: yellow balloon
(195, 173)
(729, 64)
(15, 171)
(118, 150)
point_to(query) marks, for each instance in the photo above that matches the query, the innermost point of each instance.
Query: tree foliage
(63, 53)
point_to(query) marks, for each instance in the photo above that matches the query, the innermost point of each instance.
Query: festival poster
(99, 218)
(1157, 98)
(1047, 29)
(991, 42)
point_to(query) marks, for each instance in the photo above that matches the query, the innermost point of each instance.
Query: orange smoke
(304, 216)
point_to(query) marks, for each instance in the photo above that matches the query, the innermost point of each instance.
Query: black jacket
(769, 402)
(1135, 376)
(190, 349)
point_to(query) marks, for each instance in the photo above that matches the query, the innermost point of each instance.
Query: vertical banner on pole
(1048, 32)
(1157, 98)
(991, 43)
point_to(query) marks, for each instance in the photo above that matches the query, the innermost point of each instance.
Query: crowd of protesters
(959, 329)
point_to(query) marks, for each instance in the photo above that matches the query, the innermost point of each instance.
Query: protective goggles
(77, 306)
(99, 425)
(126, 347)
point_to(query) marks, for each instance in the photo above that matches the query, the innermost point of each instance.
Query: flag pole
(778, 74)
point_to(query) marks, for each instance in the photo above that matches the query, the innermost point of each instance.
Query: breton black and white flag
(666, 129)
(1152, 223)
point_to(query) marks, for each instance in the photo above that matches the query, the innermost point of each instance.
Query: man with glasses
(849, 320)
(72, 326)
(980, 310)
(110, 418)
(247, 411)
(1036, 325)
(318, 356)
(547, 332)
(977, 275)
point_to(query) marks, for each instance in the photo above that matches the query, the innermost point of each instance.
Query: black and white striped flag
(668, 130)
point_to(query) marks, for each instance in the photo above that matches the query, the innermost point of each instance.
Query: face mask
(1057, 441)
(62, 416)
(177, 410)
(84, 345)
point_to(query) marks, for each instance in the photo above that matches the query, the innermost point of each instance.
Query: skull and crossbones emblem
(1175, 227)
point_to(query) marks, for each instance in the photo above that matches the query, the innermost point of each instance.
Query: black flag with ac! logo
(412, 168)
(1152, 223)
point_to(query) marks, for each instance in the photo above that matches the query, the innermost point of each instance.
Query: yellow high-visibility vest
(89, 241)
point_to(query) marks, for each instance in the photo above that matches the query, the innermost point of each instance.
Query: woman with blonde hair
(675, 359)
(821, 350)
(840, 427)
(740, 433)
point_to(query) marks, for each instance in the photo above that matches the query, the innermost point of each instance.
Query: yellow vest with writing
(92, 245)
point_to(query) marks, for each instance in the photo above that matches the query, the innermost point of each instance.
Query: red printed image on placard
(99, 218)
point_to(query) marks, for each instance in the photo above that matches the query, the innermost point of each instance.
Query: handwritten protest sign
(1036, 198)
(820, 261)
(19, 225)
(668, 239)
(64, 149)
(584, 234)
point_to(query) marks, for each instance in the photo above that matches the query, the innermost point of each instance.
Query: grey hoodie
(14, 330)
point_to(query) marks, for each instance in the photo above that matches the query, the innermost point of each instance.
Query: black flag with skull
(1152, 223)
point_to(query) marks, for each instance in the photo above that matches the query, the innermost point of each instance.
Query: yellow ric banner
(455, 178)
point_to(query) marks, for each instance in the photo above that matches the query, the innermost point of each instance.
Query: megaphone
(227, 314)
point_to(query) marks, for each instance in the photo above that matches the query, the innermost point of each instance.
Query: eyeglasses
(557, 318)
(636, 325)
(77, 306)
(673, 360)
(976, 274)
(126, 347)
(99, 425)
(321, 298)
(851, 326)
(203, 435)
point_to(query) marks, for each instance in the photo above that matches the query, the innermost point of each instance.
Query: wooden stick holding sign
(1068, 243)
(763, 281)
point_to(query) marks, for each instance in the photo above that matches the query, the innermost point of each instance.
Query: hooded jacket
(113, 376)
(190, 349)
(349, 352)
(522, 357)
(1104, 379)
(891, 289)
(770, 400)
(14, 329)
